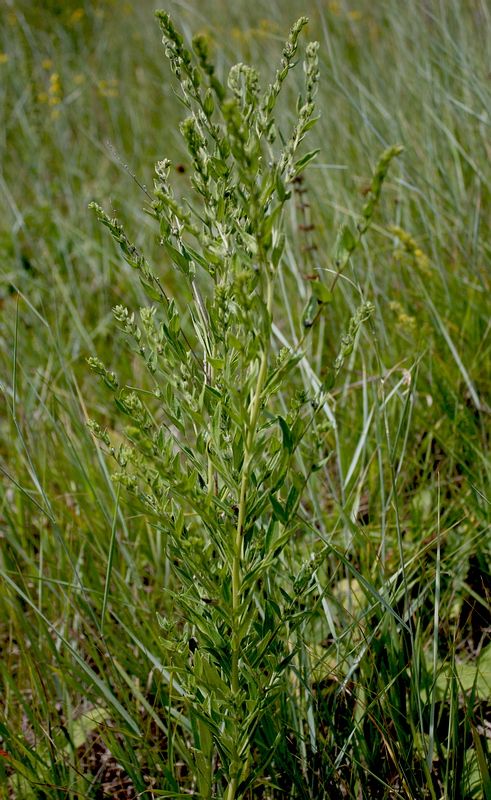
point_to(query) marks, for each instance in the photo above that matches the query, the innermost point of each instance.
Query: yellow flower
(43, 97)
(404, 321)
(54, 92)
(422, 260)
(47, 63)
(4, 57)
(105, 90)
(240, 35)
(78, 79)
(412, 247)
(77, 15)
(55, 85)
(55, 114)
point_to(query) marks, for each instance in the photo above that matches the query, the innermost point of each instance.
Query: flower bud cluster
(361, 315)
(109, 377)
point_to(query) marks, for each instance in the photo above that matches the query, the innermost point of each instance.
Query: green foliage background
(74, 77)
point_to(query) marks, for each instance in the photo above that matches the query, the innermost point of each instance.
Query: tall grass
(88, 706)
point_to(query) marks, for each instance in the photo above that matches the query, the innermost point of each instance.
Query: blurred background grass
(85, 89)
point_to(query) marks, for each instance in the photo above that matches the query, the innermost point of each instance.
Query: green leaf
(329, 380)
(216, 363)
(181, 260)
(198, 258)
(268, 223)
(152, 293)
(280, 189)
(278, 510)
(278, 248)
(279, 475)
(291, 500)
(120, 405)
(248, 239)
(345, 245)
(214, 680)
(322, 293)
(368, 209)
(208, 103)
(306, 159)
(287, 436)
(221, 167)
(310, 124)
(310, 311)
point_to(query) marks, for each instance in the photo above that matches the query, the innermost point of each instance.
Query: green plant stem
(246, 468)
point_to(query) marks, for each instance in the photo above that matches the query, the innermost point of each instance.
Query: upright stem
(254, 409)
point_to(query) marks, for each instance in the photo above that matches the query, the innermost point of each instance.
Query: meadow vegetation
(247, 554)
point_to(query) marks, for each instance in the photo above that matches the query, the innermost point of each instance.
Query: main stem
(238, 545)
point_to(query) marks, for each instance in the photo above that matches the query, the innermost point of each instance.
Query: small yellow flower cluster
(404, 321)
(412, 247)
(108, 88)
(54, 94)
(4, 57)
(77, 15)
